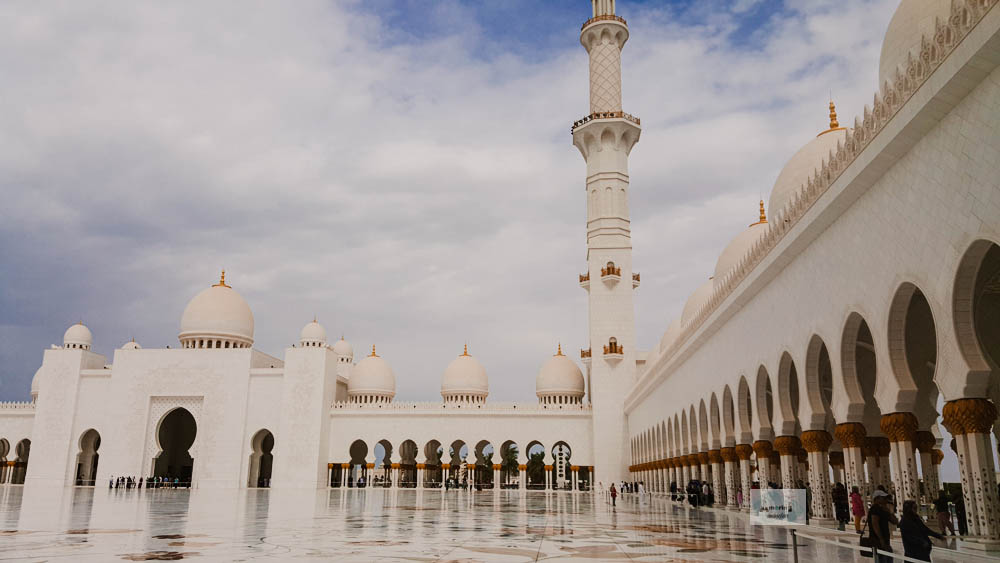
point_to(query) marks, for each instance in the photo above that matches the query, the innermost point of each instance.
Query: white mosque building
(818, 349)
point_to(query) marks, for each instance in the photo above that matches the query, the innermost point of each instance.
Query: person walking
(879, 518)
(841, 506)
(614, 495)
(963, 525)
(857, 508)
(944, 513)
(916, 535)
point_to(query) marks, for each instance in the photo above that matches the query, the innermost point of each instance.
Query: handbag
(866, 541)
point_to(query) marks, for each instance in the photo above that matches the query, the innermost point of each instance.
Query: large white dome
(78, 336)
(912, 20)
(218, 314)
(560, 376)
(313, 334)
(670, 336)
(464, 377)
(372, 377)
(739, 246)
(695, 302)
(343, 349)
(801, 167)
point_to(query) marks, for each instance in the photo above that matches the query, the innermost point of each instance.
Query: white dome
(78, 336)
(313, 334)
(343, 348)
(131, 345)
(34, 384)
(801, 167)
(670, 336)
(912, 20)
(218, 312)
(559, 376)
(695, 302)
(739, 246)
(372, 376)
(465, 376)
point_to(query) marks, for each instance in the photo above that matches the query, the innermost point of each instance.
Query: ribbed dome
(217, 315)
(695, 302)
(78, 336)
(670, 336)
(343, 348)
(560, 376)
(372, 377)
(465, 376)
(313, 334)
(800, 168)
(912, 20)
(35, 381)
(739, 246)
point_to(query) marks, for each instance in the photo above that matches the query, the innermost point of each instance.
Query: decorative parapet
(611, 270)
(17, 405)
(585, 280)
(437, 407)
(604, 115)
(585, 354)
(965, 15)
(635, 281)
(596, 19)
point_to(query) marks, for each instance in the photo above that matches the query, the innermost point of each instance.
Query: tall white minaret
(605, 138)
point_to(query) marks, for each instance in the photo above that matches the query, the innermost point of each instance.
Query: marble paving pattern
(86, 524)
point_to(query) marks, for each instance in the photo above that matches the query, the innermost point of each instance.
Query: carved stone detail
(969, 416)
(924, 441)
(817, 441)
(744, 451)
(899, 426)
(714, 456)
(787, 445)
(763, 449)
(850, 434)
(728, 454)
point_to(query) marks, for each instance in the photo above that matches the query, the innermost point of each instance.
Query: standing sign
(778, 507)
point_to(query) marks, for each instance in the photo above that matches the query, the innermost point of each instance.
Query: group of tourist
(148, 482)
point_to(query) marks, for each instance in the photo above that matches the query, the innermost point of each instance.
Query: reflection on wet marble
(85, 524)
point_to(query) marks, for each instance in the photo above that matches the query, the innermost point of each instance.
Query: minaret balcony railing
(605, 115)
(614, 351)
(585, 281)
(585, 355)
(607, 17)
(635, 281)
(611, 274)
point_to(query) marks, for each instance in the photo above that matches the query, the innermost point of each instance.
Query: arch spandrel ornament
(159, 408)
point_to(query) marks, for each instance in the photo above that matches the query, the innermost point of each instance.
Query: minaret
(605, 138)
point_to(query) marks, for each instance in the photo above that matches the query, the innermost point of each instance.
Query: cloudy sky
(402, 169)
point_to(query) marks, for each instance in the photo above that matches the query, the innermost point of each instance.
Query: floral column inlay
(851, 436)
(901, 428)
(817, 444)
(971, 421)
(925, 442)
(743, 452)
(763, 449)
(788, 449)
(718, 484)
(729, 461)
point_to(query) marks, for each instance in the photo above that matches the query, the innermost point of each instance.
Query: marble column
(706, 474)
(694, 467)
(803, 467)
(851, 436)
(763, 449)
(925, 442)
(837, 464)
(729, 470)
(420, 475)
(718, 482)
(345, 471)
(788, 449)
(685, 472)
(522, 470)
(775, 466)
(901, 429)
(496, 476)
(817, 444)
(743, 452)
(970, 421)
(549, 478)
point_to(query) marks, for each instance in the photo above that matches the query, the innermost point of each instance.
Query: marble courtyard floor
(86, 524)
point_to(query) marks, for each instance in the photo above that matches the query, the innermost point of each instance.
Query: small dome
(465, 376)
(372, 377)
(560, 376)
(343, 349)
(739, 246)
(34, 384)
(695, 302)
(670, 336)
(313, 334)
(912, 20)
(78, 336)
(131, 345)
(801, 167)
(217, 313)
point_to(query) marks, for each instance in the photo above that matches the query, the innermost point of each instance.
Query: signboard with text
(778, 507)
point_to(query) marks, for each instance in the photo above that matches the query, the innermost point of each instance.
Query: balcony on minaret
(635, 281)
(613, 352)
(611, 274)
(585, 281)
(585, 356)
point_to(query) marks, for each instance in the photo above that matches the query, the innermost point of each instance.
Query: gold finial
(465, 352)
(222, 280)
(373, 355)
(763, 217)
(834, 124)
(559, 350)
